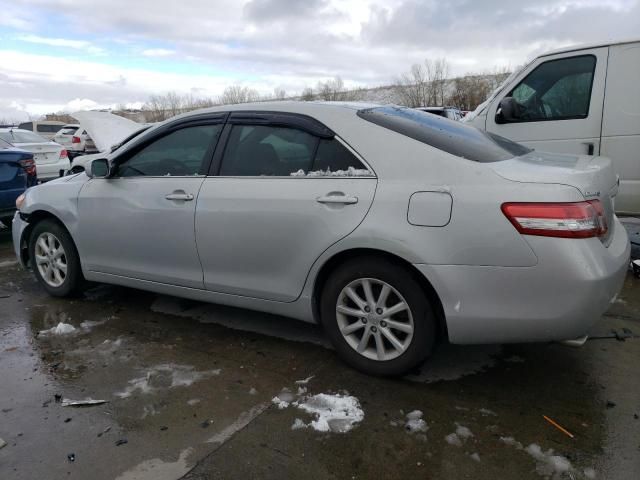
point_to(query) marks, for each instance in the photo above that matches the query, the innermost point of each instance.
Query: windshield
(450, 136)
(20, 136)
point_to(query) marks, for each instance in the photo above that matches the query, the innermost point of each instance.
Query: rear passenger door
(283, 191)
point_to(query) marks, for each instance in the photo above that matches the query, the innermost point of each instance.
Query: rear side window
(447, 135)
(333, 156)
(26, 126)
(47, 128)
(259, 150)
(256, 150)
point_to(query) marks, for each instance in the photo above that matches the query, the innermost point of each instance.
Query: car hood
(106, 129)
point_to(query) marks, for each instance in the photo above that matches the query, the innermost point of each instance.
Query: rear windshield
(14, 136)
(68, 131)
(450, 136)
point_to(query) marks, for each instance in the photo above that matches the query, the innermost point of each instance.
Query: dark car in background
(17, 173)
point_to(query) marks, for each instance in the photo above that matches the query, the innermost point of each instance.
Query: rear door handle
(179, 195)
(343, 199)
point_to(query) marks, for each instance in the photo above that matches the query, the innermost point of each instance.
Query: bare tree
(279, 94)
(424, 84)
(307, 95)
(161, 107)
(238, 94)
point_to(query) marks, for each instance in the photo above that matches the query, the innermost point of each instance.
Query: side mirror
(507, 111)
(99, 168)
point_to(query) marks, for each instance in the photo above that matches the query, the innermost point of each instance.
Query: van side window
(556, 90)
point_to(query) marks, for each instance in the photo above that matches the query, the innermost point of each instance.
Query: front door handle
(179, 195)
(337, 198)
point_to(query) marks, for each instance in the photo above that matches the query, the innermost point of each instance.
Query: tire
(55, 236)
(7, 222)
(408, 348)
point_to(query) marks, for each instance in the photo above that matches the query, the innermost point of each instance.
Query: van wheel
(377, 316)
(54, 259)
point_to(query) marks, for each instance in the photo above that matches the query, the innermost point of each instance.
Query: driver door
(140, 223)
(560, 99)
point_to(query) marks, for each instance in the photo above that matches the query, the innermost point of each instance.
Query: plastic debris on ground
(87, 402)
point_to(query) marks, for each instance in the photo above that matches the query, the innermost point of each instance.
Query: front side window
(257, 150)
(184, 152)
(556, 90)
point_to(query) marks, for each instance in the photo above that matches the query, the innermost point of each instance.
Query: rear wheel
(54, 259)
(377, 316)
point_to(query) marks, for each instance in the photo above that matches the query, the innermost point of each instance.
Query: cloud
(279, 43)
(62, 42)
(158, 52)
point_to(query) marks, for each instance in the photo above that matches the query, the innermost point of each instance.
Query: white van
(580, 100)
(44, 128)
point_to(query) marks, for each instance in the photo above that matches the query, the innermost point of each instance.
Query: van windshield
(450, 136)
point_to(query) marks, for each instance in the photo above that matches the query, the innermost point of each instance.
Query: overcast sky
(73, 54)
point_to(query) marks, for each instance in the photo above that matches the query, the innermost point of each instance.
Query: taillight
(29, 165)
(566, 220)
(63, 153)
(75, 139)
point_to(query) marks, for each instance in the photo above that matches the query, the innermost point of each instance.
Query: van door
(558, 103)
(621, 123)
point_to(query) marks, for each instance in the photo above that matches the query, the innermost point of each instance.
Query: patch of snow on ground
(590, 473)
(165, 376)
(253, 391)
(463, 432)
(486, 412)
(415, 422)
(475, 457)
(514, 359)
(453, 439)
(60, 329)
(511, 442)
(547, 463)
(193, 401)
(305, 381)
(298, 424)
(335, 413)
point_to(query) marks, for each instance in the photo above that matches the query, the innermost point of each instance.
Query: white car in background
(108, 132)
(75, 139)
(51, 158)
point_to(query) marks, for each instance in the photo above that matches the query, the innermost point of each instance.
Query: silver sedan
(390, 227)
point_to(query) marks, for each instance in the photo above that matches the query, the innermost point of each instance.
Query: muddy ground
(190, 387)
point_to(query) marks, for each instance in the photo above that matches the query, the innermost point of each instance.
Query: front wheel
(54, 259)
(377, 316)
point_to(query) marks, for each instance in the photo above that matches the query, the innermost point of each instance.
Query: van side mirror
(99, 168)
(507, 111)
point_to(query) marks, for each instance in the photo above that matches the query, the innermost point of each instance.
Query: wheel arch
(34, 218)
(333, 262)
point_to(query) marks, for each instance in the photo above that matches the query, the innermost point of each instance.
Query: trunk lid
(106, 129)
(43, 153)
(594, 177)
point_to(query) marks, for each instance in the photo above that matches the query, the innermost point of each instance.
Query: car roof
(573, 48)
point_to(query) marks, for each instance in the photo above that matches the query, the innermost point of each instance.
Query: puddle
(156, 469)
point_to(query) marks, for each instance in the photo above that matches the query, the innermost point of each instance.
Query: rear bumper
(560, 298)
(49, 171)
